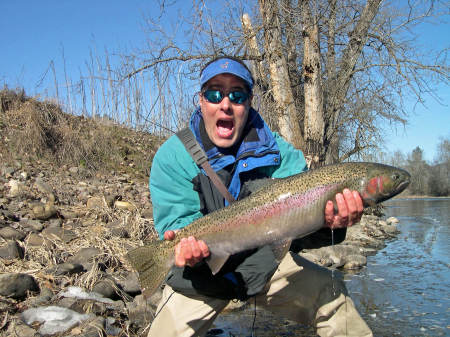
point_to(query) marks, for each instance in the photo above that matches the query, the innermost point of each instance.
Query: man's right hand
(189, 251)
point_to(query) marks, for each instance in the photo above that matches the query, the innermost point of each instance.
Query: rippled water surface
(403, 291)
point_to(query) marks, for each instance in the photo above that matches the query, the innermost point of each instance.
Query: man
(240, 148)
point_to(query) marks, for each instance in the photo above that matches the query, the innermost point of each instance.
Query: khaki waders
(299, 290)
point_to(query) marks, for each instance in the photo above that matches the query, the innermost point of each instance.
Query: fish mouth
(403, 185)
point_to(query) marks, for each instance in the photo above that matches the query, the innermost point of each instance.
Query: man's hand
(189, 251)
(350, 208)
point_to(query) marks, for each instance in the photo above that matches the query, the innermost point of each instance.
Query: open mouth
(225, 128)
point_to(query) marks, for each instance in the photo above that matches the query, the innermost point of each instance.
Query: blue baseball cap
(226, 66)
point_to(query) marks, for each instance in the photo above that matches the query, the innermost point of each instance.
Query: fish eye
(395, 176)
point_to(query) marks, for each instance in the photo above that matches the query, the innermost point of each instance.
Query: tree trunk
(331, 143)
(338, 86)
(290, 23)
(279, 76)
(252, 47)
(332, 155)
(314, 110)
(261, 88)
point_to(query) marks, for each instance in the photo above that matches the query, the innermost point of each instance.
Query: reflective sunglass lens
(215, 96)
(238, 97)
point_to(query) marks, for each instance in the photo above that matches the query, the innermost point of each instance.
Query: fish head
(382, 182)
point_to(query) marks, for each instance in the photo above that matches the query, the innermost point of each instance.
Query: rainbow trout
(287, 209)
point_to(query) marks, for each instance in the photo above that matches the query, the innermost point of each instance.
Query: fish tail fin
(152, 262)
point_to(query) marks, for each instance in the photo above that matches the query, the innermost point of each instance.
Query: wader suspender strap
(193, 147)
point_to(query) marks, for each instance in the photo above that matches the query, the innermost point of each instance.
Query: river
(403, 290)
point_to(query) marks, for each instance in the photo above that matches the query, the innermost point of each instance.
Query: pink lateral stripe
(280, 206)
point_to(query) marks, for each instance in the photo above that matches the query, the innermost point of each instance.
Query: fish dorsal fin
(216, 262)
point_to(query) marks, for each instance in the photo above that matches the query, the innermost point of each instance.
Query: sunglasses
(216, 96)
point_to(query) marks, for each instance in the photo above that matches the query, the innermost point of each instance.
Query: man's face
(225, 121)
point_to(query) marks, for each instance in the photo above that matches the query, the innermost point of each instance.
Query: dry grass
(40, 130)
(37, 259)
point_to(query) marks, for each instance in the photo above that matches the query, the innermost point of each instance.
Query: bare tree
(367, 67)
(419, 170)
(439, 182)
(328, 73)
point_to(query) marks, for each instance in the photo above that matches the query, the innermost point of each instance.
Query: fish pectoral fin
(280, 249)
(216, 262)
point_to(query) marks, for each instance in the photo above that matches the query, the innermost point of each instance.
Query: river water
(405, 288)
(403, 291)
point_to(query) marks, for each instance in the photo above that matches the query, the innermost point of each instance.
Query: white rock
(77, 292)
(55, 319)
(392, 220)
(15, 188)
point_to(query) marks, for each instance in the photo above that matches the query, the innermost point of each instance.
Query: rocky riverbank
(64, 236)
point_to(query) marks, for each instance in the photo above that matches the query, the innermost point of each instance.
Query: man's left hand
(350, 208)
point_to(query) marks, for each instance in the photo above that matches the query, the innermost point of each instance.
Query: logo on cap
(224, 65)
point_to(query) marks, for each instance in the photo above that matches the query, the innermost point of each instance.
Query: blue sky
(429, 122)
(36, 32)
